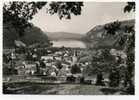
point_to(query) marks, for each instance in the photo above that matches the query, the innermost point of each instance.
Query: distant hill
(31, 36)
(95, 39)
(64, 36)
(34, 35)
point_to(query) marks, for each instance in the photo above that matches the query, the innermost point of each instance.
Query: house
(19, 43)
(30, 69)
(62, 72)
(57, 58)
(58, 53)
(47, 57)
(53, 74)
(44, 71)
(26, 69)
(89, 80)
(20, 70)
(65, 55)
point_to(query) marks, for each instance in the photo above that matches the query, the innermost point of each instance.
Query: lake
(69, 43)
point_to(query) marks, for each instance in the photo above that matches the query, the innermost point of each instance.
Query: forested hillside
(30, 36)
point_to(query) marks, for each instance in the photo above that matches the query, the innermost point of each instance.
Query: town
(76, 51)
(51, 62)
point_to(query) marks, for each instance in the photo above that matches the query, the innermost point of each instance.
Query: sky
(93, 13)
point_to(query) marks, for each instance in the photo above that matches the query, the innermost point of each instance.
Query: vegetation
(116, 35)
(31, 36)
(126, 40)
(17, 16)
(75, 69)
(129, 7)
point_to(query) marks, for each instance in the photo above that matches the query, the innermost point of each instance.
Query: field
(59, 89)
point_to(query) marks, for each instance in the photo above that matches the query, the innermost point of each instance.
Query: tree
(101, 60)
(99, 79)
(114, 78)
(130, 50)
(20, 13)
(112, 28)
(59, 65)
(75, 69)
(129, 7)
(127, 41)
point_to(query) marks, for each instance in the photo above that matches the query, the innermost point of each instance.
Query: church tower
(74, 58)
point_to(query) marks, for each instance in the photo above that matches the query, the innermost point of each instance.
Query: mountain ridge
(31, 36)
(64, 36)
(94, 37)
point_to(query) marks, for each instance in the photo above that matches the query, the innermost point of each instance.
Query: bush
(75, 69)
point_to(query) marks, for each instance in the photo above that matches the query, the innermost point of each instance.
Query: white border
(71, 97)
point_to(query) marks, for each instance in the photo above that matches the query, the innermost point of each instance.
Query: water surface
(69, 43)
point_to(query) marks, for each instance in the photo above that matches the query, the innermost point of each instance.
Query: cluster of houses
(56, 64)
(61, 64)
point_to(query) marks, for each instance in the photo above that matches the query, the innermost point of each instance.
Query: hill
(95, 39)
(31, 36)
(64, 36)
